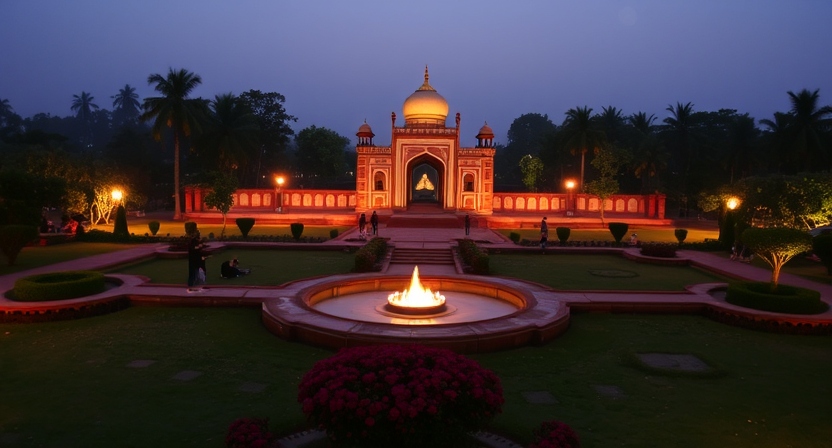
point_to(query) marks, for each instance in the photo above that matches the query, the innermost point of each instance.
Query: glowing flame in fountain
(416, 299)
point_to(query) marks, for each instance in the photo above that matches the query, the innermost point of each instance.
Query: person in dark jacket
(374, 222)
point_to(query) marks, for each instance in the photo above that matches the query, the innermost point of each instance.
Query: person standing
(467, 224)
(362, 224)
(544, 234)
(374, 222)
(195, 261)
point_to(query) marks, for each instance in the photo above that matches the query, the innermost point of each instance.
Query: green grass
(597, 272)
(269, 267)
(36, 256)
(67, 383)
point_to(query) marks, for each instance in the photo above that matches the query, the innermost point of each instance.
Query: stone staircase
(422, 256)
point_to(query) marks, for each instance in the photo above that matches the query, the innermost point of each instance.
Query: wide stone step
(422, 256)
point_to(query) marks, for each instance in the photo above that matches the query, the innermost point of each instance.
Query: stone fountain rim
(544, 317)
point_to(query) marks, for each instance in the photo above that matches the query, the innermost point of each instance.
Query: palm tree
(581, 135)
(230, 137)
(649, 156)
(743, 136)
(83, 106)
(680, 129)
(810, 127)
(777, 135)
(126, 105)
(176, 111)
(612, 123)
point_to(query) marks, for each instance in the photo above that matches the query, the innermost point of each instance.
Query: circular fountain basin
(482, 314)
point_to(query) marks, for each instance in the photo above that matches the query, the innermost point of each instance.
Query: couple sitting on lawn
(230, 269)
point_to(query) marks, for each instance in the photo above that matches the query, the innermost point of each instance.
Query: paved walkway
(433, 238)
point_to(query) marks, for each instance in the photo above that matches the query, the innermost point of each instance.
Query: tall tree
(175, 110)
(275, 131)
(811, 126)
(680, 132)
(776, 137)
(83, 106)
(320, 153)
(229, 139)
(743, 137)
(126, 106)
(649, 155)
(613, 123)
(581, 135)
(526, 135)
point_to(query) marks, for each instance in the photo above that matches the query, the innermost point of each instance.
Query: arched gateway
(424, 162)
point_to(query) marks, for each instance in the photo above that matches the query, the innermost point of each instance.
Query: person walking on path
(467, 224)
(362, 225)
(374, 222)
(196, 261)
(544, 234)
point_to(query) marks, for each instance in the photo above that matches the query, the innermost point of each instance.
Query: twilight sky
(341, 62)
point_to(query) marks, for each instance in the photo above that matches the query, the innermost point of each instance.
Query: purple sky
(339, 62)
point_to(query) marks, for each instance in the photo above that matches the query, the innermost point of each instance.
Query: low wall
(649, 206)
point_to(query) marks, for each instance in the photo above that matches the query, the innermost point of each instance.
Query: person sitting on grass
(230, 269)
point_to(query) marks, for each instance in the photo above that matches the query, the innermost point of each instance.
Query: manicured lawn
(269, 267)
(37, 256)
(597, 272)
(67, 383)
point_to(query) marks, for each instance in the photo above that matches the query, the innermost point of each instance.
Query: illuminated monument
(424, 162)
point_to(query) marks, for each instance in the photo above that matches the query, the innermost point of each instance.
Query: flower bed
(555, 434)
(400, 395)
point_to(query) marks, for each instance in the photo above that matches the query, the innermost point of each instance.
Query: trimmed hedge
(245, 225)
(474, 256)
(784, 299)
(660, 250)
(13, 238)
(58, 286)
(297, 230)
(370, 254)
(190, 228)
(514, 237)
(333, 233)
(618, 230)
(563, 234)
(154, 226)
(680, 235)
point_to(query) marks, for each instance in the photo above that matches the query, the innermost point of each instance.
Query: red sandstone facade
(425, 164)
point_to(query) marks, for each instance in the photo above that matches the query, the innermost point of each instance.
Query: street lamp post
(279, 180)
(570, 206)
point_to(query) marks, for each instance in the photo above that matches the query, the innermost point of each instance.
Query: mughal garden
(609, 280)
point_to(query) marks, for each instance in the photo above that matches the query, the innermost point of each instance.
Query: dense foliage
(370, 254)
(13, 238)
(822, 247)
(399, 395)
(474, 257)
